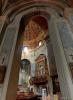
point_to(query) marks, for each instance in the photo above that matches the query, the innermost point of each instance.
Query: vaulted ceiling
(13, 3)
(35, 31)
(7, 4)
(69, 2)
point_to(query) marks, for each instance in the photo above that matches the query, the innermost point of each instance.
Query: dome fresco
(35, 31)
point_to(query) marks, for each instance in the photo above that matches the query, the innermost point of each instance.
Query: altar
(26, 96)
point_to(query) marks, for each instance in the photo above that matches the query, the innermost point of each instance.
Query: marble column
(60, 34)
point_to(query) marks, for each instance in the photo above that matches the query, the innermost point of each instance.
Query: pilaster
(61, 38)
(6, 57)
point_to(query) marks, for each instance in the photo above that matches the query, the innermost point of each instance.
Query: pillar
(14, 74)
(61, 38)
(7, 52)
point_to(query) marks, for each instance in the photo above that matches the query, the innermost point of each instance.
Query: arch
(32, 13)
(25, 62)
(7, 93)
(15, 7)
(24, 13)
(14, 11)
(26, 65)
(36, 17)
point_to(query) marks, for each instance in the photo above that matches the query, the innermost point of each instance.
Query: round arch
(26, 19)
(12, 12)
(25, 65)
(22, 5)
(27, 14)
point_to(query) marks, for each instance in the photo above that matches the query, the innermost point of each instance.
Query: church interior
(36, 49)
(34, 72)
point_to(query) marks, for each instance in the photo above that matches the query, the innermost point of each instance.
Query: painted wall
(31, 56)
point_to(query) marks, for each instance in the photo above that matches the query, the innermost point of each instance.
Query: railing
(38, 80)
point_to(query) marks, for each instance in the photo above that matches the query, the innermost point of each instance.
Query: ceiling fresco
(35, 31)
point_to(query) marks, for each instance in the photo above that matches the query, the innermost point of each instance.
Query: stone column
(14, 74)
(61, 38)
(7, 54)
